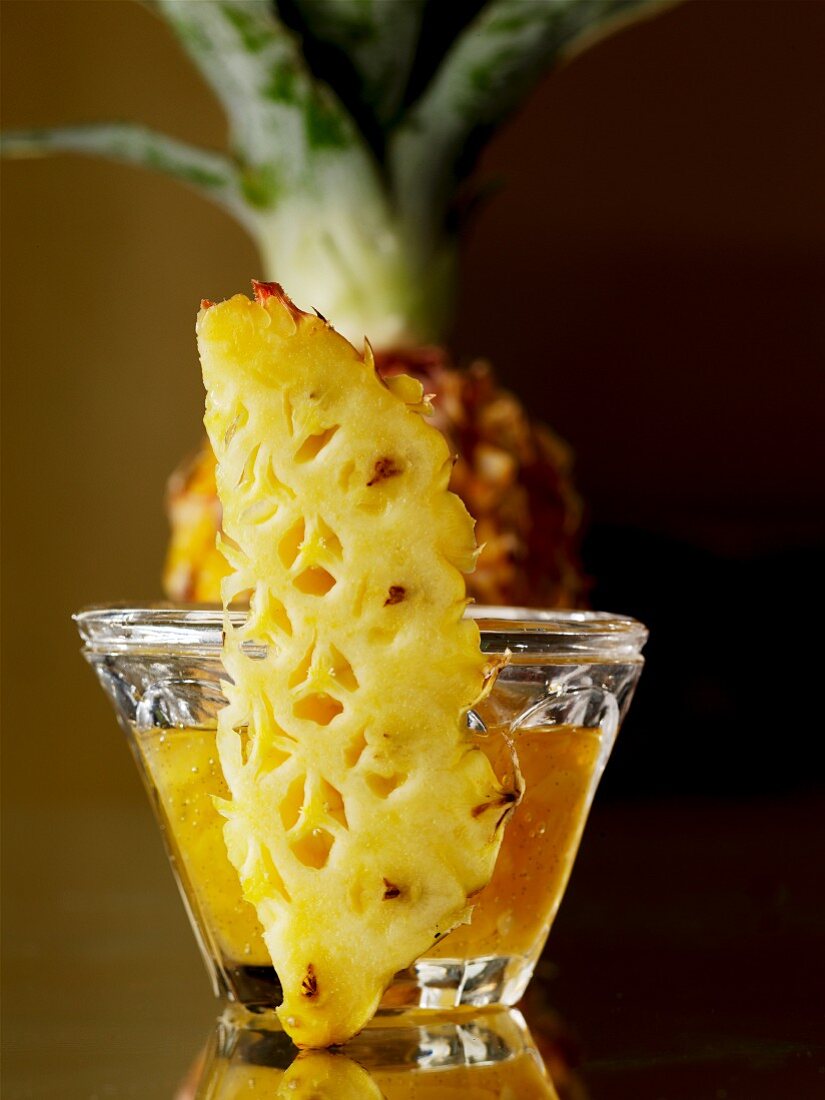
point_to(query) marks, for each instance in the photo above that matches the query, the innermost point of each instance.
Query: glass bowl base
(440, 984)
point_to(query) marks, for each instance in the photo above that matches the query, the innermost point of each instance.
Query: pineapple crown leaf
(351, 124)
(377, 37)
(487, 72)
(282, 121)
(208, 172)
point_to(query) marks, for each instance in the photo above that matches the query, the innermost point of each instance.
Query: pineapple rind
(340, 735)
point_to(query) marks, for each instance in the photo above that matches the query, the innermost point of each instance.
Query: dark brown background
(652, 280)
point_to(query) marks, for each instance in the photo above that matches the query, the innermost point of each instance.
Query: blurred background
(650, 279)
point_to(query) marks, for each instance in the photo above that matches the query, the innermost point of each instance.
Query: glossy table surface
(688, 960)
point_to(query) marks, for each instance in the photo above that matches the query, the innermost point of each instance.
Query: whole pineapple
(350, 680)
(353, 126)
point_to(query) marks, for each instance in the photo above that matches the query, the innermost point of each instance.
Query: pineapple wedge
(362, 817)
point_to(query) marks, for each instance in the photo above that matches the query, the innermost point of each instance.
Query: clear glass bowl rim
(528, 632)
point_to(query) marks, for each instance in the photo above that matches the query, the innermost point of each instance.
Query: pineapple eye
(345, 474)
(290, 808)
(261, 511)
(396, 594)
(354, 750)
(342, 670)
(289, 414)
(506, 799)
(383, 470)
(329, 540)
(267, 613)
(271, 876)
(235, 556)
(383, 785)
(314, 444)
(315, 581)
(290, 545)
(321, 708)
(313, 849)
(243, 736)
(334, 803)
(246, 478)
(272, 758)
(309, 985)
(239, 420)
(239, 601)
(301, 671)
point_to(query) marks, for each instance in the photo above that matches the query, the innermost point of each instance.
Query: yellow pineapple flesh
(361, 816)
(320, 1075)
(194, 567)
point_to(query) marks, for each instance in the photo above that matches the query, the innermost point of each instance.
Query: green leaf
(280, 117)
(485, 75)
(210, 173)
(314, 198)
(378, 37)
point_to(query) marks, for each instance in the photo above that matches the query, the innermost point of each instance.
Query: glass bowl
(552, 716)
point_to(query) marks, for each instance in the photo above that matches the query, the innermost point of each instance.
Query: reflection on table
(429, 1056)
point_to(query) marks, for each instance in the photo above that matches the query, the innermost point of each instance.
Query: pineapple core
(361, 816)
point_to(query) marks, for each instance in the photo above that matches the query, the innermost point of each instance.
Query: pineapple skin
(513, 474)
(194, 567)
(339, 528)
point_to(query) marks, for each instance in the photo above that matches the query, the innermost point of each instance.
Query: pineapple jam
(511, 915)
